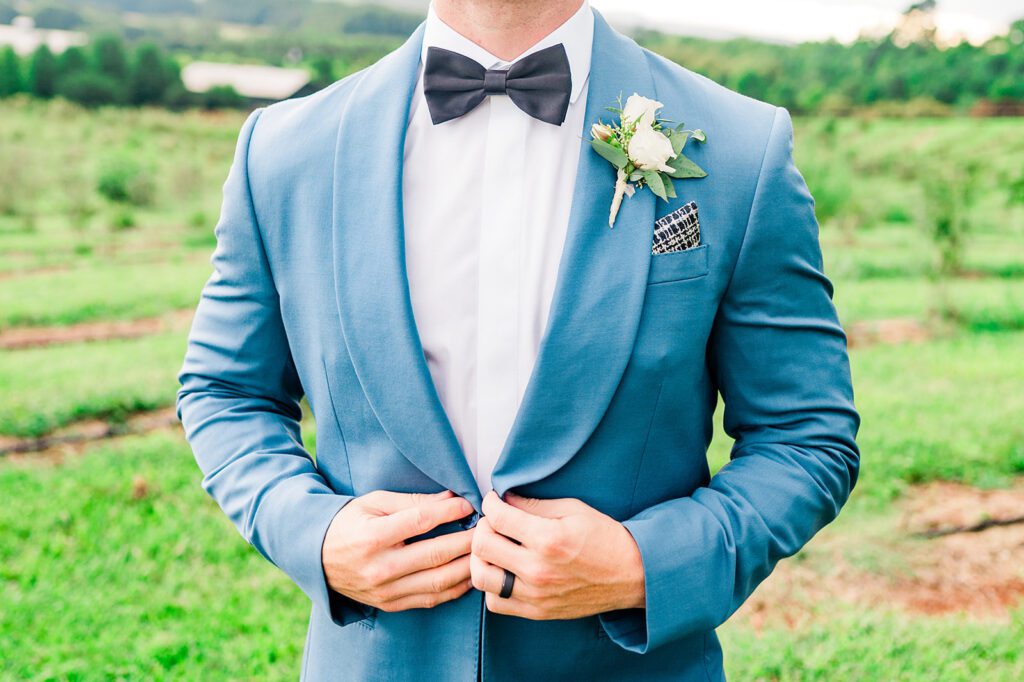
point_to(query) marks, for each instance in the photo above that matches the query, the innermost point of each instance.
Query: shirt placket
(499, 287)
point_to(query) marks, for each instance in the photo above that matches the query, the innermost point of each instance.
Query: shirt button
(470, 520)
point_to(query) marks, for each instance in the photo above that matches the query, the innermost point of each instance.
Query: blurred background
(117, 124)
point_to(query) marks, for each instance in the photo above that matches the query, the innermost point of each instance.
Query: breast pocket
(678, 265)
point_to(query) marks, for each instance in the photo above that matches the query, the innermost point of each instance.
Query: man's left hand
(569, 559)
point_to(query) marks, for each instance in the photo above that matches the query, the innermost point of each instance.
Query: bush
(221, 97)
(89, 89)
(123, 180)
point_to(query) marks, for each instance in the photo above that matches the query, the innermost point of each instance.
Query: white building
(24, 37)
(269, 83)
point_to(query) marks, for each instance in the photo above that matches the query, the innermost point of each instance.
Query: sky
(801, 20)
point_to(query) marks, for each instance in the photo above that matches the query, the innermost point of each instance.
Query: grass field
(115, 565)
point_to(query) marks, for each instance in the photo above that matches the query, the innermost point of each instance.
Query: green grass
(51, 386)
(99, 584)
(101, 291)
(848, 643)
(983, 304)
(948, 409)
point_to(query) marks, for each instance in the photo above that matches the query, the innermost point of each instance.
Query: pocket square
(677, 231)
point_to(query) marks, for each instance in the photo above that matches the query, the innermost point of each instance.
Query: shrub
(123, 180)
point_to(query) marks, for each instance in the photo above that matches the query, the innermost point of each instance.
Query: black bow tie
(539, 84)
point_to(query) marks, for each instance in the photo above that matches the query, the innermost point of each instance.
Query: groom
(514, 402)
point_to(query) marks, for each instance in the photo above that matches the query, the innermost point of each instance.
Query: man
(513, 401)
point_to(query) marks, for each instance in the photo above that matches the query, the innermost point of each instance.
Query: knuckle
(538, 575)
(437, 586)
(549, 544)
(375, 574)
(437, 556)
(421, 520)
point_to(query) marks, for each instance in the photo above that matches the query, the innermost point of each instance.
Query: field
(115, 564)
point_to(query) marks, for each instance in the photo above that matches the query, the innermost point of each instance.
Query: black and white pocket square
(677, 231)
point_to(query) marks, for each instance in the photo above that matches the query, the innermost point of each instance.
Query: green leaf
(679, 128)
(699, 135)
(653, 180)
(613, 154)
(670, 189)
(683, 168)
(678, 140)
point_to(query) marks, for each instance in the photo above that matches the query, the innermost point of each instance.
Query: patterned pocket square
(677, 231)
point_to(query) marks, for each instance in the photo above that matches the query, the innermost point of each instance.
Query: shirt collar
(576, 34)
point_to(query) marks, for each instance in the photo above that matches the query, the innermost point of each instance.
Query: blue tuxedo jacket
(309, 296)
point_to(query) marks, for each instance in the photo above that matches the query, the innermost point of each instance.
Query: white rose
(642, 109)
(649, 149)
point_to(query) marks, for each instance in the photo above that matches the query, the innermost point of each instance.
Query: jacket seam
(643, 453)
(257, 113)
(753, 200)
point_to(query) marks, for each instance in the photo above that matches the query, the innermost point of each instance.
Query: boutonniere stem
(645, 151)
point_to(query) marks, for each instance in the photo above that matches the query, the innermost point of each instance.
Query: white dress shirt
(486, 201)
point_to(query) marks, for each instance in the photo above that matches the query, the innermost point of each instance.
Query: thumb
(553, 509)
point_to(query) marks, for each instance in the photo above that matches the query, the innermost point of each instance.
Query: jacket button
(470, 520)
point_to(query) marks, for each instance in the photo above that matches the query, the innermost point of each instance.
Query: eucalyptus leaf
(636, 175)
(699, 135)
(670, 189)
(611, 153)
(678, 140)
(653, 180)
(683, 168)
(679, 128)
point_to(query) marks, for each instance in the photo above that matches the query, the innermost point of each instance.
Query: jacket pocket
(678, 265)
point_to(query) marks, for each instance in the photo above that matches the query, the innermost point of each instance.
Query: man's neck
(505, 28)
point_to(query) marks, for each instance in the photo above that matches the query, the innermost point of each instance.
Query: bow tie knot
(539, 84)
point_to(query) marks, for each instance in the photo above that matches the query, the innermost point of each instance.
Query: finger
(427, 601)
(513, 607)
(497, 549)
(551, 509)
(512, 522)
(406, 523)
(486, 577)
(431, 580)
(430, 553)
(389, 501)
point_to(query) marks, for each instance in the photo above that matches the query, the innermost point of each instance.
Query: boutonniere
(644, 149)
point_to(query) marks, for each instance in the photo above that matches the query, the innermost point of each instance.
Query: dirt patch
(78, 436)
(101, 330)
(897, 330)
(976, 567)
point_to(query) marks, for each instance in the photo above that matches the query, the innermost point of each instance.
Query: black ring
(506, 585)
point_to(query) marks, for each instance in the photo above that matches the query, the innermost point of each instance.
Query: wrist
(634, 594)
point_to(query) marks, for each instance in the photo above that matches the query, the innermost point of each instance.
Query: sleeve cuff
(685, 577)
(300, 518)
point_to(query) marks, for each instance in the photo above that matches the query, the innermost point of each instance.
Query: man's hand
(570, 560)
(365, 556)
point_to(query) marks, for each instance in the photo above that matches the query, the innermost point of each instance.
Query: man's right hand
(365, 556)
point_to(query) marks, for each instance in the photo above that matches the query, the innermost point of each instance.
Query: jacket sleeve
(238, 402)
(778, 356)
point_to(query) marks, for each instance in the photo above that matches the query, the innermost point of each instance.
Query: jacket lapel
(599, 294)
(369, 262)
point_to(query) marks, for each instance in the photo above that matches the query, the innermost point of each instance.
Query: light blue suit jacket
(309, 297)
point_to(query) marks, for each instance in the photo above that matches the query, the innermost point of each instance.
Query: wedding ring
(506, 585)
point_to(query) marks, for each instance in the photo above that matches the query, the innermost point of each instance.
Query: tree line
(906, 72)
(105, 73)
